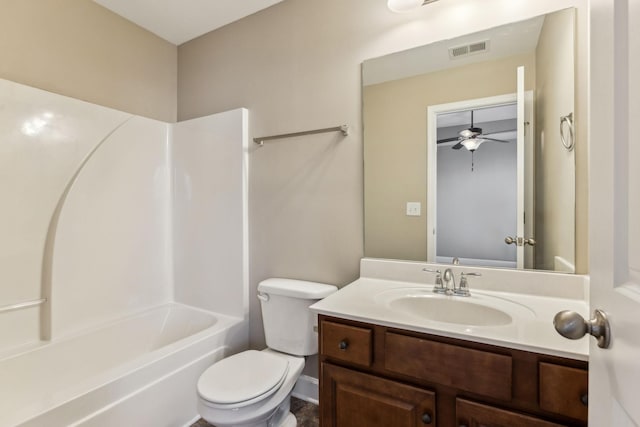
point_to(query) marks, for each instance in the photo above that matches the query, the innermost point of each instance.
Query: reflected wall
(395, 152)
(396, 132)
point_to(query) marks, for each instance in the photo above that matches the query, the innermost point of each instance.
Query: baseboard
(193, 421)
(306, 388)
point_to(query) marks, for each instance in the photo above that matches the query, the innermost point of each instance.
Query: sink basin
(477, 310)
(451, 311)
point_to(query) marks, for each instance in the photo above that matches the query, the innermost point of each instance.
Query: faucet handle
(439, 287)
(470, 274)
(463, 287)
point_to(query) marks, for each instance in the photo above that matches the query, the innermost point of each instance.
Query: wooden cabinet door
(353, 399)
(471, 414)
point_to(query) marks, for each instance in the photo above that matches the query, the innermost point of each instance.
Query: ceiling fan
(470, 138)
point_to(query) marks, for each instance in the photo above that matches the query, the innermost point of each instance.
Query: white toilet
(253, 388)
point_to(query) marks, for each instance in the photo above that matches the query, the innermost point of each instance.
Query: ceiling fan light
(401, 6)
(467, 133)
(472, 144)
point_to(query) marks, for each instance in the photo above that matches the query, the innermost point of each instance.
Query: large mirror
(468, 148)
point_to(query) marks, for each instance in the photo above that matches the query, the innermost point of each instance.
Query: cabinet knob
(343, 345)
(426, 418)
(585, 399)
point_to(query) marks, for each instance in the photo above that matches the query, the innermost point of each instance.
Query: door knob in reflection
(510, 240)
(519, 241)
(571, 325)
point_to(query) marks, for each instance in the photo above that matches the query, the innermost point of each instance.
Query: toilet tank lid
(296, 288)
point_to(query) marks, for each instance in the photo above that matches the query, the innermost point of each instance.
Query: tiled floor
(306, 413)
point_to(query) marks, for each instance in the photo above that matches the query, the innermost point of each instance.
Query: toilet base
(289, 421)
(281, 417)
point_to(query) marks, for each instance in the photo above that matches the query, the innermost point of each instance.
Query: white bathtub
(138, 371)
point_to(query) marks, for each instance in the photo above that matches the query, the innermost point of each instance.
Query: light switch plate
(414, 208)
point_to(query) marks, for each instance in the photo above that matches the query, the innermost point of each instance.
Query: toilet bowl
(226, 400)
(253, 388)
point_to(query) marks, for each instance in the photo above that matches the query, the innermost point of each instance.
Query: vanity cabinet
(377, 376)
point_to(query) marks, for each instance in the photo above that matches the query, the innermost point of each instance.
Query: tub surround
(102, 211)
(109, 215)
(539, 295)
(209, 212)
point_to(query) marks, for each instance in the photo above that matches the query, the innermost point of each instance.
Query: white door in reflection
(480, 182)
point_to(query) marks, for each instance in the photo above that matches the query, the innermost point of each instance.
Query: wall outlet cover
(414, 208)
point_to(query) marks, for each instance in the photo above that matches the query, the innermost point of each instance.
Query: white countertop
(531, 329)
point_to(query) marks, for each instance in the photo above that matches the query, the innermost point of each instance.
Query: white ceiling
(504, 41)
(494, 117)
(480, 115)
(179, 21)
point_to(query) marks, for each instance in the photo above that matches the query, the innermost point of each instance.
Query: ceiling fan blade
(500, 131)
(492, 139)
(457, 146)
(440, 141)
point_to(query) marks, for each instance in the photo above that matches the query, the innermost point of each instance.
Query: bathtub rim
(93, 384)
(26, 348)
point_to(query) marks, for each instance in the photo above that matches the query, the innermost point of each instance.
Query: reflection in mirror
(463, 151)
(485, 161)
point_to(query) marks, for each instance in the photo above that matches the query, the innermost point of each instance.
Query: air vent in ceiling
(469, 49)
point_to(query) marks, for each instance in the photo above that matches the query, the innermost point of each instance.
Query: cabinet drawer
(470, 414)
(348, 343)
(467, 369)
(563, 389)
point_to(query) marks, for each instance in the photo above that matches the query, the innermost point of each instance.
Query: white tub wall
(44, 139)
(110, 256)
(112, 248)
(209, 161)
(19, 330)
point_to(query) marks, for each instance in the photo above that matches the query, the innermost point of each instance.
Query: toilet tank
(288, 322)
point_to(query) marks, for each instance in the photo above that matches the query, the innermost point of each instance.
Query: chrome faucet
(446, 282)
(449, 281)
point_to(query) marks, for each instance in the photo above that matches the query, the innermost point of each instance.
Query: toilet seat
(242, 379)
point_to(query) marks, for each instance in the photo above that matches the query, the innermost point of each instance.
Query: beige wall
(297, 66)
(555, 166)
(395, 154)
(79, 49)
